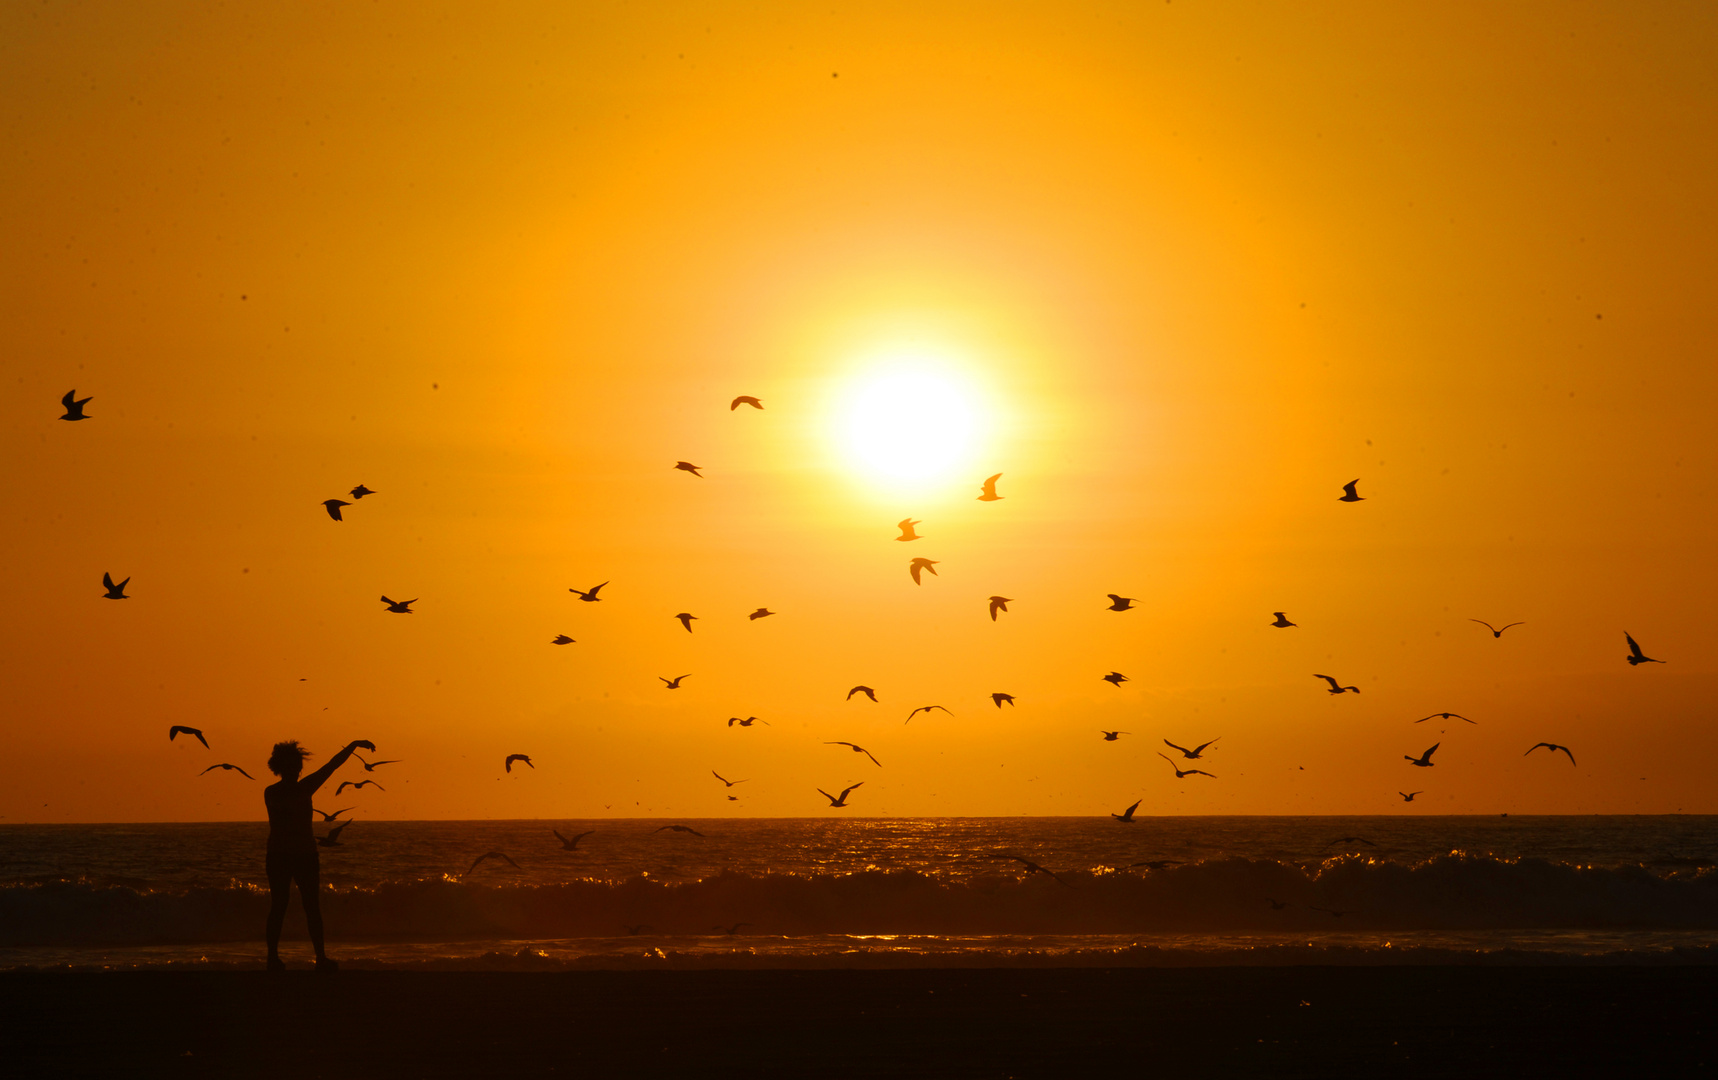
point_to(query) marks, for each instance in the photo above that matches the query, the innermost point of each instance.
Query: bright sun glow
(910, 417)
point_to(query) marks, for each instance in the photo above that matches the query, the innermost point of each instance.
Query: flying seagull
(842, 801)
(1111, 736)
(730, 931)
(674, 684)
(74, 406)
(989, 493)
(560, 639)
(634, 929)
(744, 399)
(1193, 754)
(327, 817)
(1444, 716)
(1276, 905)
(866, 690)
(511, 758)
(857, 749)
(681, 828)
(573, 844)
(999, 603)
(1349, 494)
(917, 565)
(760, 613)
(360, 491)
(1282, 620)
(1635, 657)
(686, 620)
(1553, 747)
(747, 722)
(1408, 796)
(590, 597)
(333, 507)
(906, 527)
(117, 592)
(687, 466)
(1495, 632)
(925, 709)
(333, 837)
(344, 784)
(1120, 603)
(725, 780)
(1351, 840)
(181, 729)
(1335, 687)
(1127, 815)
(489, 855)
(1000, 698)
(1031, 868)
(233, 768)
(400, 607)
(1115, 679)
(1181, 773)
(1424, 761)
(372, 766)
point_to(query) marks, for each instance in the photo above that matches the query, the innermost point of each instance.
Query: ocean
(876, 892)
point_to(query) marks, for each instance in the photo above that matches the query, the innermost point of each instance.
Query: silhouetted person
(292, 843)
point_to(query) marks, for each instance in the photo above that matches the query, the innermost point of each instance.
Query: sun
(910, 417)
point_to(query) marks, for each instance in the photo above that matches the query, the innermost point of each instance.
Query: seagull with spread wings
(924, 709)
(906, 527)
(573, 844)
(1000, 698)
(333, 837)
(987, 492)
(333, 507)
(1126, 816)
(232, 768)
(344, 784)
(999, 603)
(687, 466)
(1349, 494)
(1553, 747)
(1635, 655)
(181, 729)
(725, 780)
(400, 607)
(1193, 754)
(1119, 603)
(360, 491)
(1424, 761)
(745, 399)
(866, 690)
(680, 828)
(327, 817)
(686, 619)
(1495, 632)
(674, 683)
(1282, 620)
(842, 800)
(747, 722)
(1115, 679)
(74, 406)
(489, 855)
(1112, 736)
(917, 565)
(1181, 773)
(511, 758)
(1031, 867)
(561, 639)
(372, 766)
(589, 596)
(857, 749)
(1444, 716)
(114, 592)
(1336, 687)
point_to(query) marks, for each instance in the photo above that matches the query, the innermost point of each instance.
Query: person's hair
(288, 758)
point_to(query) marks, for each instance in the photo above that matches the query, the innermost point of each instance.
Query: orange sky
(1196, 266)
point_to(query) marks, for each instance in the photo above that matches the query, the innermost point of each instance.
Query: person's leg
(309, 875)
(279, 893)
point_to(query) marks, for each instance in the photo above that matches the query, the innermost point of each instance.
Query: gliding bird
(1031, 867)
(333, 837)
(333, 507)
(181, 729)
(1115, 679)
(372, 766)
(675, 683)
(233, 768)
(998, 603)
(681, 828)
(866, 690)
(760, 613)
(1119, 603)
(560, 639)
(74, 406)
(590, 596)
(687, 466)
(1635, 655)
(917, 565)
(686, 620)
(344, 784)
(842, 801)
(400, 607)
(1495, 632)
(360, 491)
(1335, 687)
(1126, 816)
(924, 709)
(1000, 698)
(114, 592)
(327, 817)
(490, 855)
(724, 779)
(1553, 747)
(1111, 736)
(1282, 620)
(1181, 773)
(857, 749)
(1349, 494)
(573, 844)
(1444, 716)
(1193, 754)
(1424, 761)
(744, 399)
(511, 758)
(1408, 796)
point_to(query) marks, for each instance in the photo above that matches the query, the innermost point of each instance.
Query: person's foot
(323, 964)
(276, 964)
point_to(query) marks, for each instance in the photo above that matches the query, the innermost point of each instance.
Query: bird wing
(334, 833)
(1522, 622)
(1534, 747)
(1485, 624)
(827, 795)
(67, 400)
(1428, 753)
(1565, 750)
(1633, 646)
(333, 508)
(1183, 749)
(344, 784)
(1201, 748)
(844, 791)
(868, 754)
(107, 582)
(1327, 679)
(917, 711)
(1129, 811)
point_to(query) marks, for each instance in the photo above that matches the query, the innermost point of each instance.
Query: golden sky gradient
(1194, 266)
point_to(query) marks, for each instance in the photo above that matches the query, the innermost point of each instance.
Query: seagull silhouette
(725, 780)
(1000, 698)
(674, 684)
(842, 801)
(114, 592)
(681, 828)
(1495, 632)
(344, 784)
(1111, 736)
(1424, 761)
(560, 639)
(857, 749)
(233, 768)
(917, 565)
(1635, 655)
(1335, 687)
(747, 722)
(74, 406)
(866, 690)
(1193, 754)
(400, 607)
(989, 490)
(573, 844)
(760, 613)
(924, 709)
(327, 817)
(1282, 620)
(333, 837)
(1351, 840)
(1031, 867)
(511, 758)
(489, 855)
(744, 399)
(730, 931)
(633, 929)
(1120, 603)
(372, 766)
(1181, 773)
(1115, 679)
(687, 466)
(1553, 747)
(1127, 815)
(1408, 796)
(686, 620)
(591, 596)
(1349, 494)
(906, 527)
(1444, 716)
(999, 603)
(180, 729)
(1276, 905)
(333, 507)
(360, 491)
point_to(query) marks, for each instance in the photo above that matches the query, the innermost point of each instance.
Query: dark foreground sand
(1313, 1022)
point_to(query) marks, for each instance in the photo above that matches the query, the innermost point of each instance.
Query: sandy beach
(1290, 1022)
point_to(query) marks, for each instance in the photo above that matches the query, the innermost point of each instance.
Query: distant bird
(906, 527)
(1444, 716)
(74, 406)
(1031, 867)
(1115, 679)
(747, 722)
(760, 613)
(1119, 603)
(686, 620)
(327, 817)
(725, 780)
(333, 507)
(573, 844)
(1000, 698)
(233, 768)
(633, 929)
(180, 729)
(1349, 494)
(1127, 815)
(1181, 773)
(1111, 736)
(866, 690)
(1635, 657)
(842, 801)
(1553, 747)
(674, 684)
(925, 709)
(400, 607)
(733, 798)
(1424, 761)
(857, 749)
(560, 639)
(114, 592)
(360, 491)
(999, 603)
(590, 597)
(489, 855)
(1333, 912)
(989, 489)
(1282, 620)
(511, 758)
(333, 837)
(1408, 796)
(1193, 754)
(687, 466)
(1495, 632)
(1276, 905)
(344, 784)
(1335, 687)
(744, 399)
(730, 931)
(372, 766)
(1351, 840)
(917, 565)
(681, 828)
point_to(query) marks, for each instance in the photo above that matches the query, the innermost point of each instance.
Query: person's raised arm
(317, 778)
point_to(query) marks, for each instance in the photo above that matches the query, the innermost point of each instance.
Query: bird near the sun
(748, 721)
(333, 837)
(1424, 761)
(573, 844)
(917, 565)
(333, 507)
(866, 690)
(230, 768)
(687, 466)
(344, 784)
(1115, 679)
(589, 596)
(1281, 620)
(1119, 603)
(1349, 494)
(1112, 736)
(489, 855)
(906, 527)
(1180, 773)
(760, 613)
(686, 618)
(988, 490)
(857, 749)
(1336, 687)
(1126, 816)
(360, 491)
(114, 592)
(745, 399)
(400, 607)
(511, 758)
(680, 828)
(327, 817)
(180, 729)
(1635, 655)
(674, 683)
(1000, 698)
(1445, 716)
(74, 406)
(842, 801)
(372, 766)
(560, 639)
(1408, 796)
(726, 782)
(1496, 632)
(1553, 747)
(999, 603)
(924, 709)
(1193, 754)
